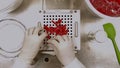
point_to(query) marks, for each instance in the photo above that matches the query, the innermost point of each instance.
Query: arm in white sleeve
(64, 50)
(32, 42)
(75, 64)
(19, 63)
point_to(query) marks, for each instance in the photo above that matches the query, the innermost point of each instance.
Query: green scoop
(111, 34)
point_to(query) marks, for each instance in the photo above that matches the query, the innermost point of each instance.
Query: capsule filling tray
(69, 17)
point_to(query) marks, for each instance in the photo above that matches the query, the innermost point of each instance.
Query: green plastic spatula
(111, 33)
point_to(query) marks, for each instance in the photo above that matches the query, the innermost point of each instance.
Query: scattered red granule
(58, 29)
(107, 7)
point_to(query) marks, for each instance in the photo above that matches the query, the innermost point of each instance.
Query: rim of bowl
(11, 6)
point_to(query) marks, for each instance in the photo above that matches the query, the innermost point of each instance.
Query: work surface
(92, 53)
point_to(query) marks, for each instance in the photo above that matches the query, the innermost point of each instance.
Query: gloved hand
(32, 43)
(64, 49)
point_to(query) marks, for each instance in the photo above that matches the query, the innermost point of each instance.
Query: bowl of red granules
(104, 8)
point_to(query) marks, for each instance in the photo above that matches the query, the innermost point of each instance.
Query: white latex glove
(32, 43)
(64, 49)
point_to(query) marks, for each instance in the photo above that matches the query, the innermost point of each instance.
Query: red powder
(59, 29)
(107, 7)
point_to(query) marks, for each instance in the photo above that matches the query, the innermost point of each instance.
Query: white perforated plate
(69, 17)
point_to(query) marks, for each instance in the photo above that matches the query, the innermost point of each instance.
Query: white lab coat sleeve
(75, 64)
(19, 63)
